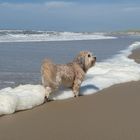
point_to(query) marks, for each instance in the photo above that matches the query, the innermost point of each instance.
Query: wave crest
(36, 36)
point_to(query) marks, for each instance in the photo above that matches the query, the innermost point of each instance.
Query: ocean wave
(37, 36)
(118, 69)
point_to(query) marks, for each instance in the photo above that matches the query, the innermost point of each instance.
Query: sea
(22, 52)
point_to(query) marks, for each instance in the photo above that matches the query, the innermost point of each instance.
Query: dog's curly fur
(68, 75)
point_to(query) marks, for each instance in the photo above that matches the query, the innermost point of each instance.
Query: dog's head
(85, 59)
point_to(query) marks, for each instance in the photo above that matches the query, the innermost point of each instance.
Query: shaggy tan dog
(68, 75)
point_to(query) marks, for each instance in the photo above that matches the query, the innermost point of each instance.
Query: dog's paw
(46, 100)
(76, 95)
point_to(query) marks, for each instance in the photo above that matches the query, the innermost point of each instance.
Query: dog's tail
(48, 72)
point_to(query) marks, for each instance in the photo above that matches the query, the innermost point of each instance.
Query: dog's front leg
(76, 86)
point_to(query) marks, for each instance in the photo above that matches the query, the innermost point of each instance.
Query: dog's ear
(81, 61)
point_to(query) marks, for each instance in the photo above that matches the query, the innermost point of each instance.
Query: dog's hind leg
(48, 90)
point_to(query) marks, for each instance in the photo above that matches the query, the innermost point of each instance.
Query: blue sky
(70, 15)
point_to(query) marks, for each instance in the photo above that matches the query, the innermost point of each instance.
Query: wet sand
(112, 114)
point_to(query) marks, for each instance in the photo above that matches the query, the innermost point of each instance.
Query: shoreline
(111, 114)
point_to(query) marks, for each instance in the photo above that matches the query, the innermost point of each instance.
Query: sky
(70, 15)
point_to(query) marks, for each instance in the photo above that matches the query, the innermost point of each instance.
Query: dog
(68, 75)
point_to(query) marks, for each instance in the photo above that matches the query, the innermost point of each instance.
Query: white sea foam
(31, 36)
(20, 98)
(118, 69)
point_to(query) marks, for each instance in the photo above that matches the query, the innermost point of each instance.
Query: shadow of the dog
(65, 93)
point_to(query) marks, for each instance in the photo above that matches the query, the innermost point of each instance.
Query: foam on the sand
(118, 69)
(20, 98)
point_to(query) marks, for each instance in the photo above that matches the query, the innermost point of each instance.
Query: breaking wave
(37, 36)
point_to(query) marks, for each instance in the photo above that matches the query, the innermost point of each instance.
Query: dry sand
(112, 114)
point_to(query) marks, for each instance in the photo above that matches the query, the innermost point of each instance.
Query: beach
(111, 114)
(51, 49)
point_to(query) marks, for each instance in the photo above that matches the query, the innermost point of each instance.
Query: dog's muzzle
(93, 61)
